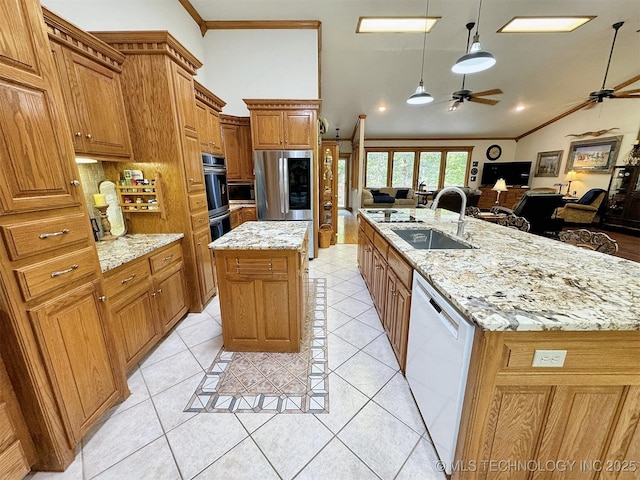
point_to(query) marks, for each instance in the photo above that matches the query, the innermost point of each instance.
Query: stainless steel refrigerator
(284, 187)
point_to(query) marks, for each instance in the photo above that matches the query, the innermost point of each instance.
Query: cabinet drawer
(197, 202)
(255, 266)
(50, 275)
(13, 463)
(368, 230)
(7, 433)
(199, 220)
(403, 270)
(381, 244)
(31, 238)
(165, 258)
(126, 278)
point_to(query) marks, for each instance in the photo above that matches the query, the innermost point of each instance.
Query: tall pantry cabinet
(54, 338)
(159, 93)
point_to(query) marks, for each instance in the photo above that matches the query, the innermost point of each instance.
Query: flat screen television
(514, 173)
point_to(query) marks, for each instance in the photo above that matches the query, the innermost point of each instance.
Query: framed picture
(594, 156)
(548, 164)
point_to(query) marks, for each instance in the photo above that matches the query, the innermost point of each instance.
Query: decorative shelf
(140, 198)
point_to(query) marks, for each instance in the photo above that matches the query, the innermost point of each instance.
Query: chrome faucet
(463, 207)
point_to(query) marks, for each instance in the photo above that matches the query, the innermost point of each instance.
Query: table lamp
(500, 186)
(571, 176)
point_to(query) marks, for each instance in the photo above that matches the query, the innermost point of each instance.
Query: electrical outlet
(549, 358)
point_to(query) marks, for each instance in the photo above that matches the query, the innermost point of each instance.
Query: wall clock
(494, 152)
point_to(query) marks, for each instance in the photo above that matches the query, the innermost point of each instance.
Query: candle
(100, 200)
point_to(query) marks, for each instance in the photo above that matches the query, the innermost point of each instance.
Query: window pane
(402, 173)
(455, 169)
(429, 171)
(377, 166)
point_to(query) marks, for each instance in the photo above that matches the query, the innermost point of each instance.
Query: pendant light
(476, 60)
(421, 96)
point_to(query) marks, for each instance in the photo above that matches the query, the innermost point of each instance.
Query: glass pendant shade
(420, 97)
(476, 60)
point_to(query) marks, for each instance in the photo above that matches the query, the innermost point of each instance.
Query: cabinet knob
(102, 298)
(78, 134)
(75, 183)
(89, 136)
(191, 180)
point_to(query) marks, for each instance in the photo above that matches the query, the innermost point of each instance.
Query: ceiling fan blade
(627, 92)
(590, 104)
(486, 101)
(628, 82)
(626, 95)
(495, 91)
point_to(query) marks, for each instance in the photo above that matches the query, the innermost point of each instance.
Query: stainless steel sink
(429, 239)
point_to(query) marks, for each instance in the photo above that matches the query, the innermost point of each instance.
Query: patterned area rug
(272, 382)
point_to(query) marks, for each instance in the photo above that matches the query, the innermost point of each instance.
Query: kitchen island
(262, 270)
(525, 294)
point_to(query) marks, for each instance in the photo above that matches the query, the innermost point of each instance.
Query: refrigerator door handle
(285, 181)
(281, 176)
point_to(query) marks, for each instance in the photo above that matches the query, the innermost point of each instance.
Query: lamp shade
(420, 97)
(476, 60)
(571, 175)
(500, 186)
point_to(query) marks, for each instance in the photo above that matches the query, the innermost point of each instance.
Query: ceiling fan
(463, 94)
(599, 95)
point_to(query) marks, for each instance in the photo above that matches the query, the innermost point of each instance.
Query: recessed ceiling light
(519, 108)
(382, 108)
(544, 24)
(395, 24)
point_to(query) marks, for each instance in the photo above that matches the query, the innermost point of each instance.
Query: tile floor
(373, 428)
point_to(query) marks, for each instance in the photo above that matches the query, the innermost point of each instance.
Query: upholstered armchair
(584, 210)
(538, 208)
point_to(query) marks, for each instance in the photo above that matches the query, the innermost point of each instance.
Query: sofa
(388, 197)
(452, 201)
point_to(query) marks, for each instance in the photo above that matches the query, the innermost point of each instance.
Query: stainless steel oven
(219, 225)
(215, 181)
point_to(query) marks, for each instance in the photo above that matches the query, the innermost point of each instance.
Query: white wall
(260, 64)
(624, 115)
(114, 15)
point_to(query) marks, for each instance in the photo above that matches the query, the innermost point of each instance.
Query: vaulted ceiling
(548, 74)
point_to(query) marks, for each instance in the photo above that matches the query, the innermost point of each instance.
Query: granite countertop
(263, 236)
(515, 280)
(114, 253)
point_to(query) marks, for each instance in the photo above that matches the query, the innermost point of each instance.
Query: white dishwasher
(438, 354)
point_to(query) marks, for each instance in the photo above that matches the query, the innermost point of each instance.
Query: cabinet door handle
(75, 183)
(54, 234)
(127, 280)
(159, 291)
(78, 134)
(89, 136)
(62, 272)
(154, 294)
(168, 257)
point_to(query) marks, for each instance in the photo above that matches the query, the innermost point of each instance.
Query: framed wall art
(594, 156)
(548, 164)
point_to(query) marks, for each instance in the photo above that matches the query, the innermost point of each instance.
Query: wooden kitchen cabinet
(284, 124)
(236, 135)
(74, 344)
(388, 278)
(249, 214)
(170, 294)
(89, 73)
(208, 107)
(328, 183)
(260, 294)
(584, 411)
(206, 263)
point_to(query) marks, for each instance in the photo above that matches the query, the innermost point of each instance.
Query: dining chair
(598, 241)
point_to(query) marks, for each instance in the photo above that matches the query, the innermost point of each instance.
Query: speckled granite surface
(263, 236)
(129, 247)
(518, 281)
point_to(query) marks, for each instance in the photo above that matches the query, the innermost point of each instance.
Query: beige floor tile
(357, 333)
(253, 421)
(245, 461)
(73, 471)
(422, 464)
(206, 352)
(379, 439)
(290, 441)
(193, 319)
(371, 318)
(365, 373)
(396, 398)
(139, 393)
(171, 402)
(335, 319)
(336, 461)
(381, 350)
(339, 351)
(203, 439)
(200, 332)
(351, 307)
(167, 347)
(153, 462)
(344, 402)
(119, 437)
(170, 371)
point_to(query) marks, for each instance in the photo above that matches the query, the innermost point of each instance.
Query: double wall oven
(215, 181)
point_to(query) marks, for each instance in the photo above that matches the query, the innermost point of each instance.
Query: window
(377, 168)
(402, 167)
(402, 171)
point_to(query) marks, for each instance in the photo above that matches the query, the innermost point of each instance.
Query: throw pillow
(383, 198)
(402, 193)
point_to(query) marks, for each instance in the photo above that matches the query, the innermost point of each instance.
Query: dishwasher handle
(435, 305)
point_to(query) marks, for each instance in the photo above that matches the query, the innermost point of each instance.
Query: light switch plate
(549, 358)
